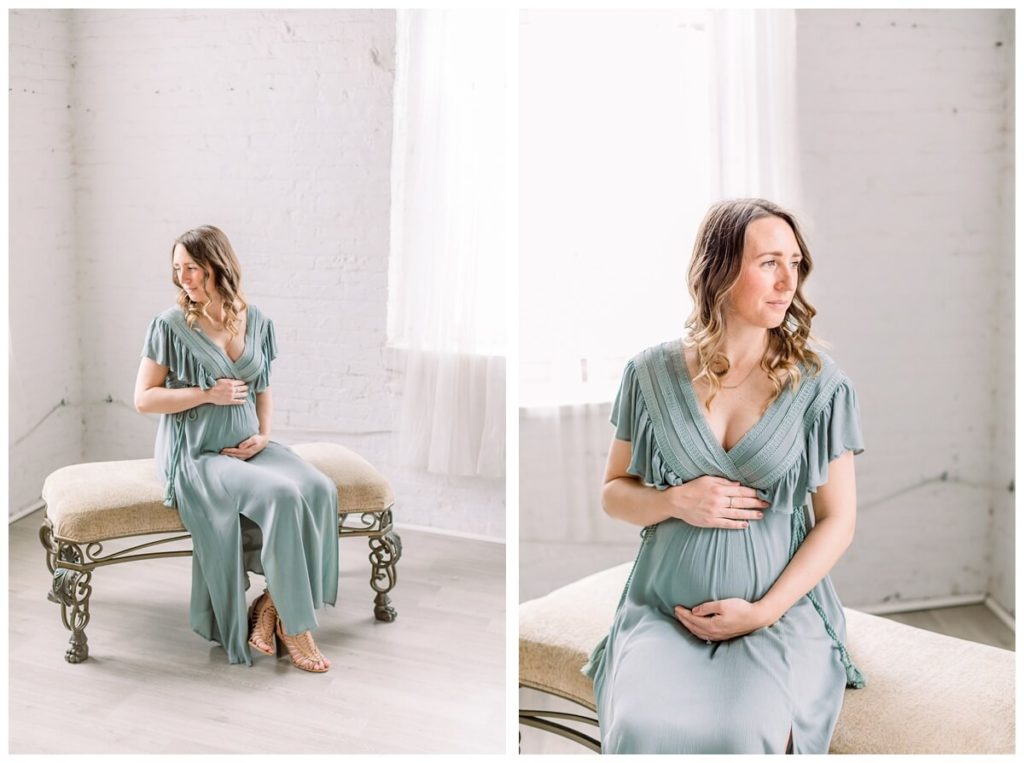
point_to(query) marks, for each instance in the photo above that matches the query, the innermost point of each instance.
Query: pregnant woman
(206, 369)
(729, 637)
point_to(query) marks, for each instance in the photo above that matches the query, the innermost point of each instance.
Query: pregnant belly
(224, 426)
(691, 565)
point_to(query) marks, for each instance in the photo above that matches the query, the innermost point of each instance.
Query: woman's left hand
(248, 447)
(721, 620)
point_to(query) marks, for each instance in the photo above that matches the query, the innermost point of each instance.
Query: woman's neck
(215, 310)
(744, 346)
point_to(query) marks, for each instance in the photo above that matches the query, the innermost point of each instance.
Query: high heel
(301, 649)
(262, 618)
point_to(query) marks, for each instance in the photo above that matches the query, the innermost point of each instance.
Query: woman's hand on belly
(721, 620)
(248, 447)
(228, 391)
(710, 501)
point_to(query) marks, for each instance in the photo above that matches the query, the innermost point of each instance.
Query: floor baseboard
(999, 611)
(26, 511)
(450, 533)
(915, 605)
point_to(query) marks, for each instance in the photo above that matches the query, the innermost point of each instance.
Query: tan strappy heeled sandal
(262, 618)
(301, 649)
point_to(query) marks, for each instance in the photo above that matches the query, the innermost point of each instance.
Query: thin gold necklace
(734, 386)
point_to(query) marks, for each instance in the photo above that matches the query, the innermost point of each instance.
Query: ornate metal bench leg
(71, 589)
(385, 552)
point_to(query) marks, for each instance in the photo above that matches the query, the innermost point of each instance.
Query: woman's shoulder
(254, 314)
(826, 385)
(169, 316)
(660, 350)
(831, 372)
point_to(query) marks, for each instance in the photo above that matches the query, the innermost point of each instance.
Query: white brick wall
(1001, 530)
(276, 127)
(906, 160)
(906, 144)
(44, 345)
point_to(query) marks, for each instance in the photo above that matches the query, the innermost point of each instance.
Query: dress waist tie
(178, 443)
(590, 668)
(854, 678)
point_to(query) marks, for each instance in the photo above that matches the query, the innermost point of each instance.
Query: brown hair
(212, 251)
(714, 269)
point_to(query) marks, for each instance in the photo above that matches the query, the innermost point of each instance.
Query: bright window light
(615, 175)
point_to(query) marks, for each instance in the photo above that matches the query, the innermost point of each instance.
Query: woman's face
(191, 277)
(768, 276)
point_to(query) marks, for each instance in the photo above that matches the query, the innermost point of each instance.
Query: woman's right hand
(228, 392)
(715, 502)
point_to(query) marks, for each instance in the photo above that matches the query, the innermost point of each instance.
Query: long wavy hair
(212, 251)
(714, 269)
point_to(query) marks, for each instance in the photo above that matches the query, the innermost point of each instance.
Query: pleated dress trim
(191, 354)
(807, 427)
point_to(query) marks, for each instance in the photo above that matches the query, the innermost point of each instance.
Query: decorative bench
(926, 693)
(88, 505)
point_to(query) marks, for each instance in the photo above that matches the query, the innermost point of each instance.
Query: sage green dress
(276, 498)
(658, 687)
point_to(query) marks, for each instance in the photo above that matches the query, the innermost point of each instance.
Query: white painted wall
(44, 358)
(276, 127)
(906, 156)
(1001, 534)
(906, 143)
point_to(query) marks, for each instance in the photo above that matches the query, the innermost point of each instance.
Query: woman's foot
(302, 650)
(262, 617)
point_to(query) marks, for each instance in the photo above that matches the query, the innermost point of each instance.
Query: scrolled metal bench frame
(546, 720)
(72, 563)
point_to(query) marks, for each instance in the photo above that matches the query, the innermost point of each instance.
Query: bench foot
(71, 589)
(385, 552)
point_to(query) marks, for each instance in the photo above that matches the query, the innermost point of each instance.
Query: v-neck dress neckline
(694, 405)
(246, 341)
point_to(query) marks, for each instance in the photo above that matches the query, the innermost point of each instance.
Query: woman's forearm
(819, 552)
(264, 411)
(628, 499)
(164, 400)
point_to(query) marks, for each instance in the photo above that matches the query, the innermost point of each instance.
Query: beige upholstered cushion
(360, 486)
(926, 692)
(116, 499)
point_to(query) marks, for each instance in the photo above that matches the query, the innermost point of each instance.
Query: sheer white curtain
(614, 173)
(623, 147)
(446, 304)
(753, 93)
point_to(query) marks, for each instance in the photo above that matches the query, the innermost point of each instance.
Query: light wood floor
(432, 681)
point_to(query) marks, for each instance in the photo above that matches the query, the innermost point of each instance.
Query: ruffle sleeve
(163, 346)
(833, 431)
(269, 347)
(633, 423)
(625, 404)
(830, 429)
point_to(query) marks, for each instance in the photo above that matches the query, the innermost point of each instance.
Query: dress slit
(288, 613)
